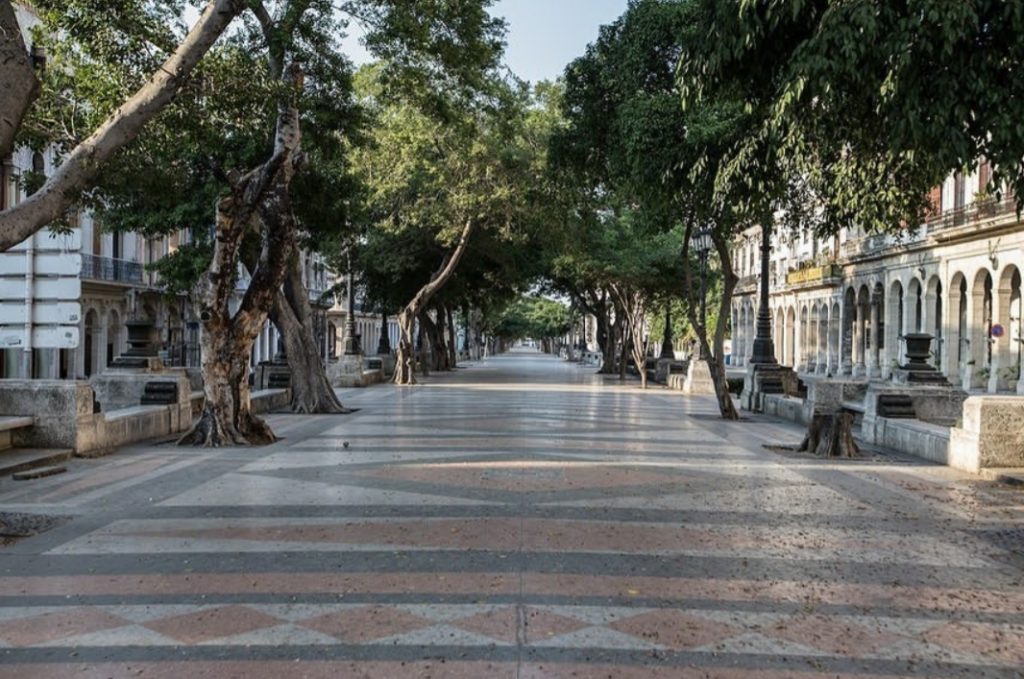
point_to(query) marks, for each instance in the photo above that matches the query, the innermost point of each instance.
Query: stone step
(39, 473)
(21, 459)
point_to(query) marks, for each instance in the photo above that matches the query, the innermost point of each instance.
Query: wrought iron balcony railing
(97, 268)
(973, 213)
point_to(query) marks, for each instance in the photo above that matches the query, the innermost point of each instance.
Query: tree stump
(830, 435)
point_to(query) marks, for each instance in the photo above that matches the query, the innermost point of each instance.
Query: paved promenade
(519, 518)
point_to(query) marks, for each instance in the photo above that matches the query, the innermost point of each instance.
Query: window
(959, 190)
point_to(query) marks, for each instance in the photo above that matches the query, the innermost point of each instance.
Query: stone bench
(921, 439)
(9, 424)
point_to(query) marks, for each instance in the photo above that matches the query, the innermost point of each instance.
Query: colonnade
(858, 330)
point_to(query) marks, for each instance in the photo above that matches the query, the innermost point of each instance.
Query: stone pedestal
(347, 372)
(667, 366)
(766, 378)
(698, 378)
(934, 404)
(991, 434)
(143, 347)
(273, 375)
(122, 389)
(387, 363)
(917, 370)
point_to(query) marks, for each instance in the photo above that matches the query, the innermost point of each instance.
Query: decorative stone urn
(917, 369)
(919, 350)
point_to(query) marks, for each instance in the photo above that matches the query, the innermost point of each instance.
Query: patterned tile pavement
(519, 518)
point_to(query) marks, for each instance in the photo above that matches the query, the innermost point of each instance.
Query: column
(951, 336)
(833, 364)
(858, 342)
(846, 336)
(78, 370)
(823, 321)
(100, 346)
(871, 338)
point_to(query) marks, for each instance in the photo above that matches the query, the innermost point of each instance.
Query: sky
(543, 35)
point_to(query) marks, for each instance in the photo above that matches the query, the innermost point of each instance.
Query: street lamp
(764, 346)
(667, 351)
(384, 343)
(351, 344)
(702, 244)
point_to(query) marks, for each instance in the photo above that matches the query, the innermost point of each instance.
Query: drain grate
(15, 525)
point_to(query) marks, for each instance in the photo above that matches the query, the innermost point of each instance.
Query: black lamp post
(702, 244)
(384, 343)
(764, 346)
(351, 344)
(667, 350)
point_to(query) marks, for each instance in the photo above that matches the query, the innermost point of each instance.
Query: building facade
(843, 307)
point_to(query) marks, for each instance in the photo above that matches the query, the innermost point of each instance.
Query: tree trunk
(226, 418)
(453, 339)
(85, 161)
(713, 351)
(260, 197)
(293, 315)
(420, 300)
(432, 336)
(830, 435)
(624, 357)
(611, 349)
(404, 373)
(18, 80)
(633, 307)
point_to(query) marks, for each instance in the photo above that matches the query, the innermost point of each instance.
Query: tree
(432, 184)
(425, 49)
(530, 317)
(876, 102)
(223, 121)
(628, 143)
(125, 115)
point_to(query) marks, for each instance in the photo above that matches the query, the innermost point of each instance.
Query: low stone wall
(992, 434)
(269, 400)
(59, 408)
(129, 425)
(787, 407)
(64, 417)
(921, 439)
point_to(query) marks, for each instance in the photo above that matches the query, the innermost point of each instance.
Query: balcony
(746, 284)
(98, 268)
(983, 210)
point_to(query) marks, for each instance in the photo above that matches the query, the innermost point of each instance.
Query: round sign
(997, 330)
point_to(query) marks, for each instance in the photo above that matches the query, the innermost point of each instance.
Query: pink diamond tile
(499, 624)
(367, 623)
(833, 635)
(541, 624)
(213, 623)
(46, 627)
(674, 629)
